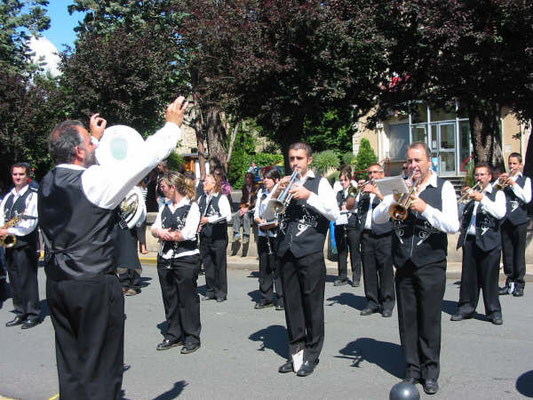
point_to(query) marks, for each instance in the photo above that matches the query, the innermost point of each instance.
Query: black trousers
(419, 293)
(181, 301)
(376, 254)
(514, 252)
(303, 280)
(213, 253)
(348, 239)
(480, 271)
(269, 269)
(88, 319)
(22, 263)
(130, 279)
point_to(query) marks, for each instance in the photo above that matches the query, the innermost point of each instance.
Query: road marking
(54, 397)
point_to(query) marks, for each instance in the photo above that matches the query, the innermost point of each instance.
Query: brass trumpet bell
(9, 241)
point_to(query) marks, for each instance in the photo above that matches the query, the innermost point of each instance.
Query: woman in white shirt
(178, 262)
(269, 276)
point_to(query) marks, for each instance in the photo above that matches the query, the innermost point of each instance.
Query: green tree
(364, 159)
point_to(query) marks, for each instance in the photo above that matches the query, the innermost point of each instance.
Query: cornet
(282, 202)
(503, 182)
(400, 209)
(465, 198)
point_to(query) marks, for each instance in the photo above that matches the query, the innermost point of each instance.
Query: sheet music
(392, 185)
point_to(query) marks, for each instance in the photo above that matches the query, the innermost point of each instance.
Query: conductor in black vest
(77, 199)
(303, 229)
(419, 250)
(21, 258)
(480, 239)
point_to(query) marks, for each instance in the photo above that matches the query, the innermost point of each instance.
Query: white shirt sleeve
(106, 186)
(224, 207)
(258, 202)
(191, 223)
(496, 208)
(381, 212)
(446, 220)
(157, 223)
(524, 193)
(325, 202)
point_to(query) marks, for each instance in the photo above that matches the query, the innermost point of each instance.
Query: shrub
(325, 160)
(365, 158)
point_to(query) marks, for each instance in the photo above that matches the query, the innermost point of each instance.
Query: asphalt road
(243, 347)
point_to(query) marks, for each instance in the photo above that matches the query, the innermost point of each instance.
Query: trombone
(399, 210)
(465, 198)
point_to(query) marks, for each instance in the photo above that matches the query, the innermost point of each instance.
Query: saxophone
(10, 240)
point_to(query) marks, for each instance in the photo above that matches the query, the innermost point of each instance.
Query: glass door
(444, 148)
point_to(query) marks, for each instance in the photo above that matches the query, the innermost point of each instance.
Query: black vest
(217, 230)
(302, 230)
(516, 208)
(353, 221)
(415, 239)
(363, 206)
(78, 234)
(12, 210)
(487, 227)
(176, 221)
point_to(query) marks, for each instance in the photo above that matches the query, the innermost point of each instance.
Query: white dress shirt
(496, 208)
(445, 220)
(188, 231)
(25, 226)
(325, 202)
(260, 208)
(106, 185)
(223, 206)
(523, 193)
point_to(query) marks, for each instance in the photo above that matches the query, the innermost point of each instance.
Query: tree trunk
(196, 114)
(484, 118)
(216, 138)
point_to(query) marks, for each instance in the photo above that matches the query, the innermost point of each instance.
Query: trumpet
(504, 181)
(355, 190)
(400, 209)
(465, 198)
(10, 240)
(279, 205)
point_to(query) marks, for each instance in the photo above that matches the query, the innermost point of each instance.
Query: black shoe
(279, 307)
(386, 313)
(263, 304)
(206, 298)
(30, 323)
(355, 283)
(368, 311)
(460, 317)
(168, 344)
(190, 348)
(431, 386)
(496, 318)
(411, 380)
(220, 300)
(518, 292)
(287, 367)
(503, 290)
(16, 321)
(340, 282)
(307, 368)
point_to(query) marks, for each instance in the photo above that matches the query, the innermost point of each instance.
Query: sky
(60, 33)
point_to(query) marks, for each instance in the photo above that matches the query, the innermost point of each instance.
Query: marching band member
(419, 251)
(216, 213)
(178, 263)
(481, 243)
(269, 268)
(77, 201)
(376, 250)
(517, 191)
(301, 237)
(347, 233)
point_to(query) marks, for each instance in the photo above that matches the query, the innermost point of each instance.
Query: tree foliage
(364, 159)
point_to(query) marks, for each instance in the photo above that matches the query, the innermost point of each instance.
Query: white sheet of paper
(343, 219)
(267, 223)
(298, 360)
(392, 185)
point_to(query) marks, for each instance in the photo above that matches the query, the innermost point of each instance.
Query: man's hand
(476, 196)
(300, 192)
(176, 111)
(97, 126)
(417, 204)
(3, 233)
(243, 211)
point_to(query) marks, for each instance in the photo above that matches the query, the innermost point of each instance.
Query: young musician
(215, 214)
(178, 262)
(347, 232)
(419, 250)
(301, 237)
(244, 215)
(269, 273)
(481, 243)
(517, 189)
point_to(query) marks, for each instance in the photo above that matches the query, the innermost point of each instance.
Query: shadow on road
(172, 393)
(524, 384)
(272, 338)
(386, 355)
(348, 299)
(255, 295)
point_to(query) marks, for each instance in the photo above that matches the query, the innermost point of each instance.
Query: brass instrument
(355, 190)
(503, 182)
(281, 203)
(10, 240)
(465, 198)
(133, 208)
(399, 210)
